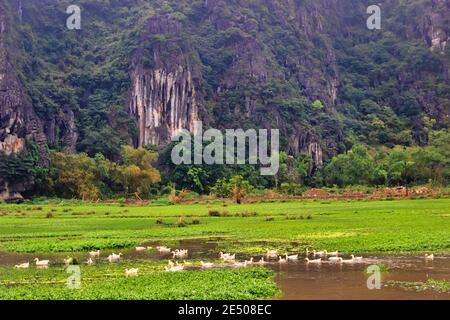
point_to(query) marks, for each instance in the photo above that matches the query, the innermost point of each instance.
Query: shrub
(214, 213)
(225, 213)
(182, 223)
(50, 215)
(248, 214)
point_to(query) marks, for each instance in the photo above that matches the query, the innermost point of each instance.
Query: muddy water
(297, 280)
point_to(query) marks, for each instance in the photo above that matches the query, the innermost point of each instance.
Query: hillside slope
(140, 70)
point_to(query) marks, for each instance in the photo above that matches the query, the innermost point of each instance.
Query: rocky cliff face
(17, 118)
(164, 94)
(432, 25)
(232, 64)
(18, 122)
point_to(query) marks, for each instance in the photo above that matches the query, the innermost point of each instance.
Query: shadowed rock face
(164, 97)
(18, 122)
(17, 118)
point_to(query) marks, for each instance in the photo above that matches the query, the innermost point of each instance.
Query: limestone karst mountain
(138, 70)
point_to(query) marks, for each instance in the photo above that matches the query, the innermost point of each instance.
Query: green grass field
(348, 226)
(391, 227)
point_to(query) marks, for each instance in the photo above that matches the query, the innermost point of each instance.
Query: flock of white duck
(228, 259)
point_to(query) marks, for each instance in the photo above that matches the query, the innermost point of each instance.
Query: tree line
(143, 173)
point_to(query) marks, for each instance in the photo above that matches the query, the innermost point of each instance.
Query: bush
(226, 213)
(50, 215)
(248, 214)
(181, 223)
(214, 213)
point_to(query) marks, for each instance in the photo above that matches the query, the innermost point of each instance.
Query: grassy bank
(107, 282)
(48, 230)
(348, 226)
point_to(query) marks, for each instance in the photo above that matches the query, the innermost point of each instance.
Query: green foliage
(354, 168)
(151, 284)
(317, 105)
(78, 175)
(236, 187)
(391, 167)
(384, 84)
(348, 226)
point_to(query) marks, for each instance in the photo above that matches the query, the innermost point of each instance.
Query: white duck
(207, 265)
(114, 257)
(131, 272)
(174, 269)
(140, 249)
(320, 253)
(163, 249)
(292, 258)
(94, 254)
(240, 264)
(335, 259)
(357, 259)
(250, 262)
(333, 254)
(90, 262)
(429, 257)
(281, 260)
(262, 262)
(68, 261)
(42, 264)
(22, 266)
(180, 254)
(314, 261)
(272, 254)
(351, 261)
(227, 256)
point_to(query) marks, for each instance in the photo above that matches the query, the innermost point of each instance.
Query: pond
(299, 280)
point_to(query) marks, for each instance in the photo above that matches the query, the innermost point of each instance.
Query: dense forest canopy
(354, 106)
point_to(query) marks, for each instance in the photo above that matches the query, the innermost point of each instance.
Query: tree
(136, 173)
(239, 188)
(356, 167)
(197, 176)
(74, 175)
(400, 166)
(221, 189)
(429, 164)
(302, 164)
(236, 187)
